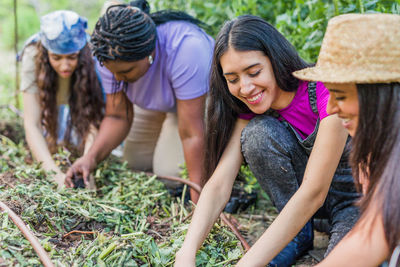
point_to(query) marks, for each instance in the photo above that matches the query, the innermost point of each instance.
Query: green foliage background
(303, 22)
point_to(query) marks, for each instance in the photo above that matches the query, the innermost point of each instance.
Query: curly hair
(85, 100)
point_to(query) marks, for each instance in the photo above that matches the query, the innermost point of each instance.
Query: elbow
(319, 198)
(218, 191)
(187, 131)
(185, 134)
(30, 127)
(315, 197)
(320, 202)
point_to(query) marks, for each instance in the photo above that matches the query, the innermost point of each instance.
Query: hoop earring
(150, 59)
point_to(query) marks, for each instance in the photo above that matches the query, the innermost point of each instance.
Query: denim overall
(278, 155)
(63, 120)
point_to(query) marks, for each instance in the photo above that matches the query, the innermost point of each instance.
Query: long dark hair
(244, 33)
(85, 101)
(376, 153)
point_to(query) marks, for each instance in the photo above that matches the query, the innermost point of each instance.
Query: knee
(266, 134)
(258, 133)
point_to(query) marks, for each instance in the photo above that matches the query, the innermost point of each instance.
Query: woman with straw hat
(359, 62)
(61, 92)
(295, 150)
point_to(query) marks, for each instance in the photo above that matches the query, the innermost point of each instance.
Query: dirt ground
(252, 229)
(251, 222)
(12, 130)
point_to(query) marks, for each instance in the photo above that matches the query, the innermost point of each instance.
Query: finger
(70, 173)
(68, 177)
(68, 182)
(85, 174)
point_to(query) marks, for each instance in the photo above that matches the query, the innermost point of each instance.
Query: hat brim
(344, 75)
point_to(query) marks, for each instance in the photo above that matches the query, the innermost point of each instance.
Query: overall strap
(312, 95)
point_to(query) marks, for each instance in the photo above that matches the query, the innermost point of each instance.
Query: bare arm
(191, 132)
(35, 138)
(113, 129)
(364, 246)
(90, 138)
(310, 196)
(213, 198)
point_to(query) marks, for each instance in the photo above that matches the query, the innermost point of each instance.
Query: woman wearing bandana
(61, 92)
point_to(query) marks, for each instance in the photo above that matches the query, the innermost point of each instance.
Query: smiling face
(128, 71)
(64, 65)
(250, 78)
(343, 100)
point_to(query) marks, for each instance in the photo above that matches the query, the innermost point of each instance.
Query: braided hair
(128, 32)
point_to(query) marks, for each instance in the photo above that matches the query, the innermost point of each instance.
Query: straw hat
(358, 48)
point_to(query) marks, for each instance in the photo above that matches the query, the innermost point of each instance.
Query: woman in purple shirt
(293, 147)
(154, 68)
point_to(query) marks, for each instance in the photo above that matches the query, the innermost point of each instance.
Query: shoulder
(173, 34)
(28, 69)
(29, 53)
(320, 87)
(322, 92)
(322, 95)
(303, 86)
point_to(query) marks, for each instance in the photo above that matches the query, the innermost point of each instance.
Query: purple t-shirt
(299, 113)
(180, 69)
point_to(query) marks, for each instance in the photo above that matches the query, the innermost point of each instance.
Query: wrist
(51, 167)
(92, 158)
(186, 253)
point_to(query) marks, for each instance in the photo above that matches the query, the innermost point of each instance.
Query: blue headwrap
(63, 32)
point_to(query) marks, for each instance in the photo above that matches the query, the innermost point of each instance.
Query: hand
(81, 167)
(182, 259)
(59, 178)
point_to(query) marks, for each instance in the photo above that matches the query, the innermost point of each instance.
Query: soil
(252, 224)
(158, 230)
(253, 229)
(8, 180)
(13, 130)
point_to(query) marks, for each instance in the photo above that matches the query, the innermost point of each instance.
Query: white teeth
(345, 120)
(255, 98)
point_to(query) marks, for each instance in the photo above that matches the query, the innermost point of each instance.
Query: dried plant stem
(78, 232)
(198, 188)
(29, 235)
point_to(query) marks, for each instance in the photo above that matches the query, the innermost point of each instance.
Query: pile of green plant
(129, 221)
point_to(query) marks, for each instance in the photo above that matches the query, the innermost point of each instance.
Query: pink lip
(258, 100)
(347, 124)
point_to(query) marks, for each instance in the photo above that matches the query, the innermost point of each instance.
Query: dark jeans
(278, 159)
